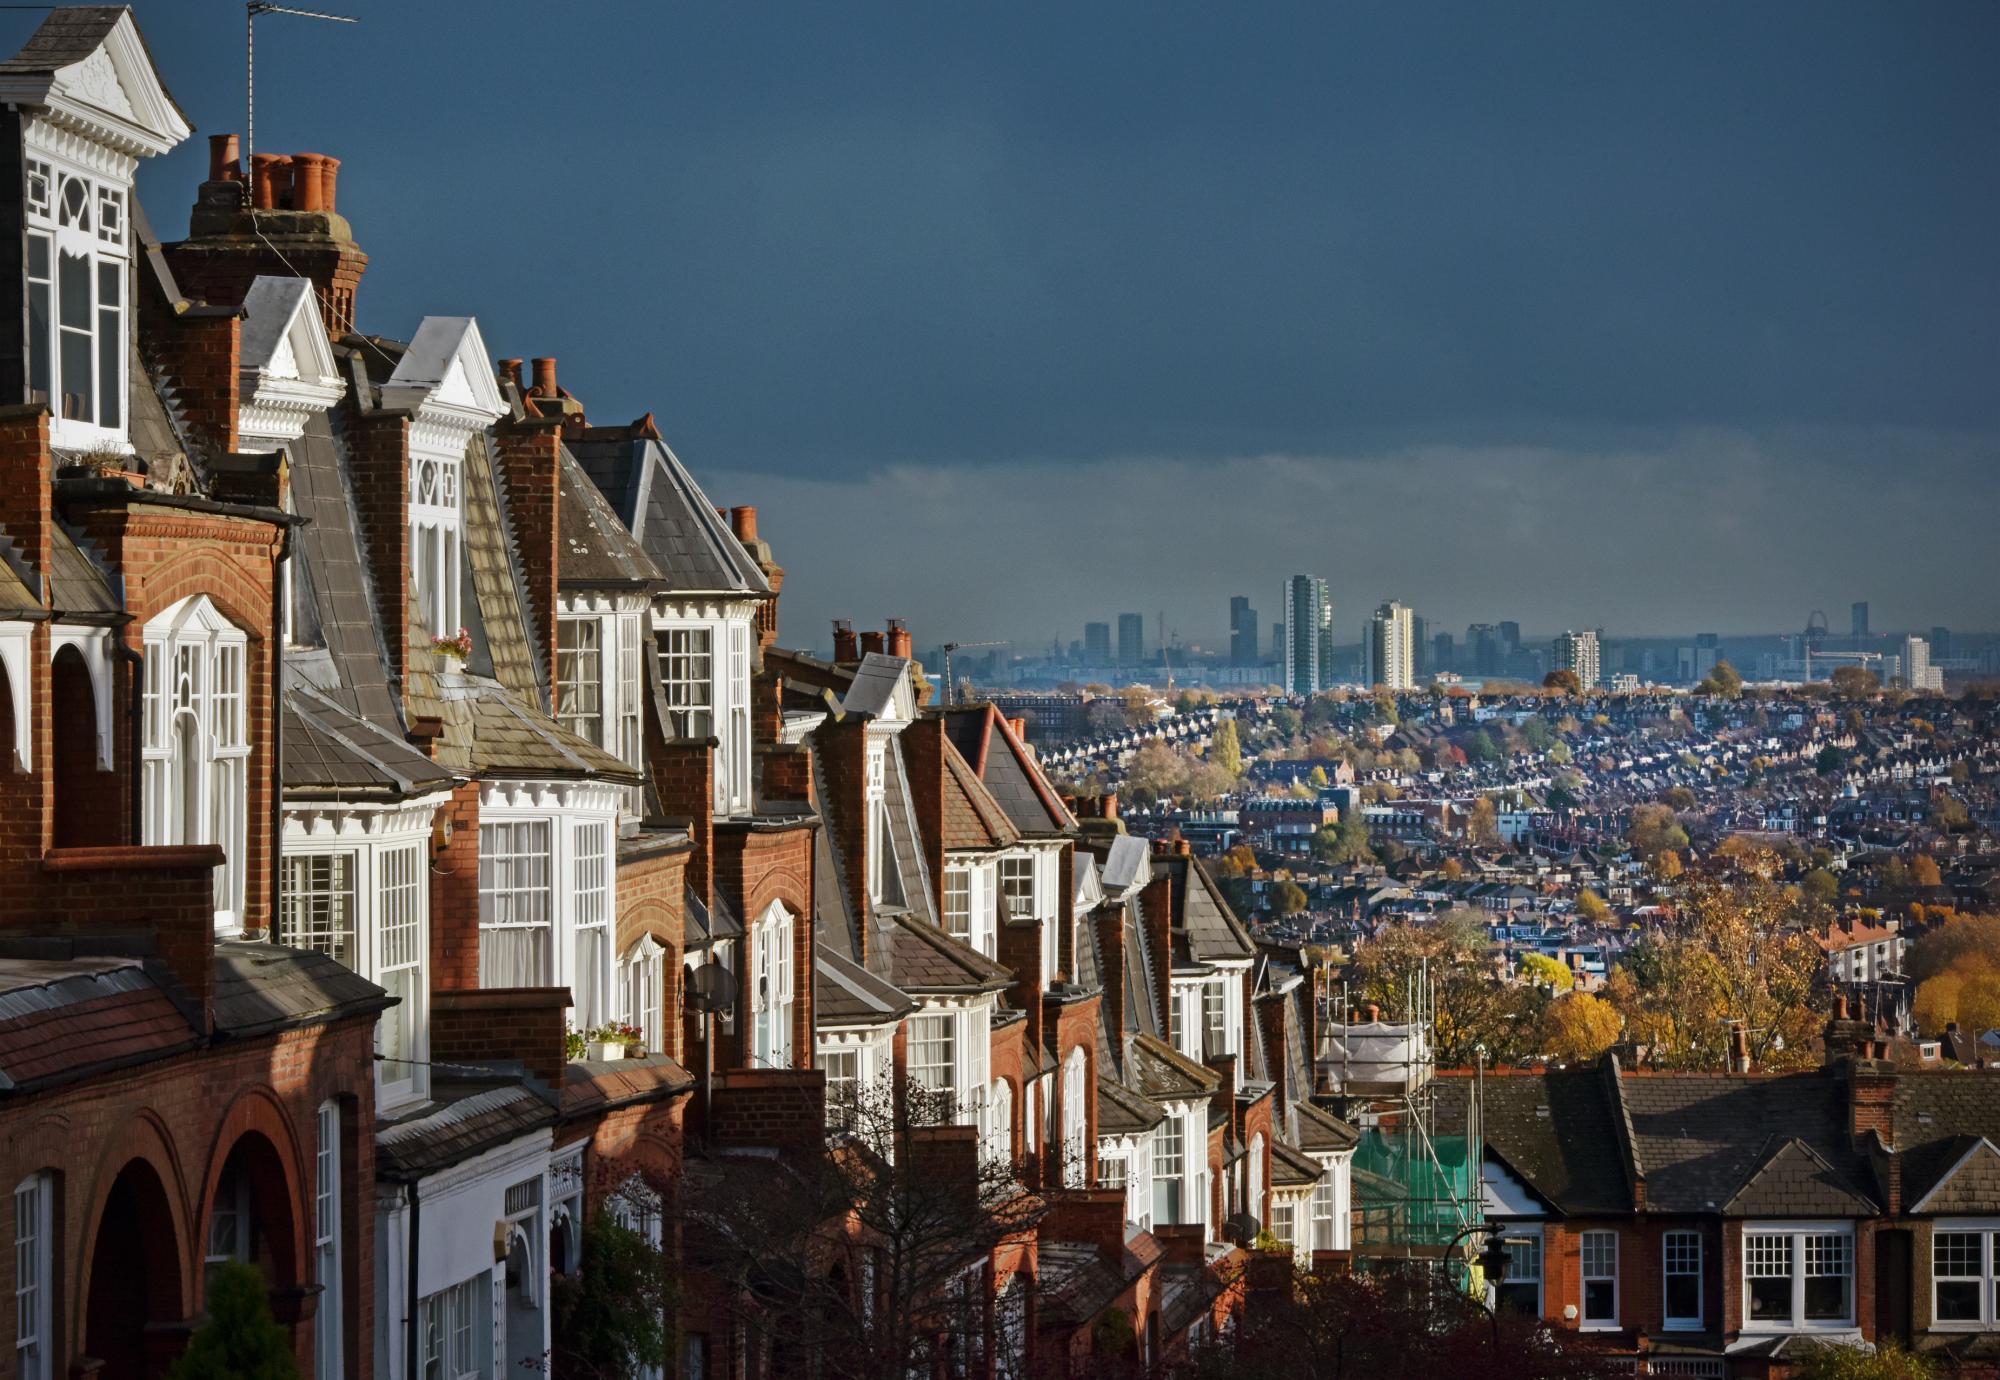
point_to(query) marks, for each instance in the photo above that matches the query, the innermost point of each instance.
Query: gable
(1971, 1186)
(446, 367)
(87, 70)
(1795, 1181)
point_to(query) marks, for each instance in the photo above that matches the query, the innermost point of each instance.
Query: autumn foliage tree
(1956, 966)
(1578, 1027)
(1473, 1006)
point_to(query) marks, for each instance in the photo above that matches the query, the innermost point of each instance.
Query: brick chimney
(1739, 1048)
(26, 515)
(287, 225)
(924, 747)
(743, 522)
(531, 475)
(1271, 1020)
(1111, 945)
(1156, 909)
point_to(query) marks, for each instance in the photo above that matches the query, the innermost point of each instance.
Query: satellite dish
(711, 988)
(1242, 1228)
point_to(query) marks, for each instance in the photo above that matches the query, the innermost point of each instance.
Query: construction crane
(950, 685)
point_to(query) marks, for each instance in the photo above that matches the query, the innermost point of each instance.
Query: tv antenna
(252, 10)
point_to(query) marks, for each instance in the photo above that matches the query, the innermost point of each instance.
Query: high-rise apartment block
(1097, 643)
(1918, 673)
(1131, 638)
(1242, 632)
(1577, 651)
(1308, 635)
(1389, 648)
(1860, 618)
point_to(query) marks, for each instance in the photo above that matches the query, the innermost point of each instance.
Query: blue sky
(1008, 316)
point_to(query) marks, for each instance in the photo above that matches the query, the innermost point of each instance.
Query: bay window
(642, 985)
(515, 904)
(316, 906)
(580, 677)
(399, 963)
(1681, 1269)
(1284, 1219)
(1074, 1171)
(195, 749)
(1322, 1208)
(875, 800)
(591, 974)
(771, 991)
(933, 1051)
(1965, 1274)
(999, 1132)
(1017, 887)
(1798, 1277)
(687, 681)
(326, 1240)
(842, 1068)
(77, 333)
(958, 903)
(1600, 1278)
(436, 532)
(1169, 1170)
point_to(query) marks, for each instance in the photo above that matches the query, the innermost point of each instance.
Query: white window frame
(1527, 1237)
(437, 533)
(1800, 1236)
(102, 244)
(956, 915)
(1017, 869)
(1170, 1173)
(590, 987)
(933, 1051)
(319, 904)
(772, 988)
(704, 653)
(875, 802)
(328, 1319)
(34, 1277)
(517, 894)
(455, 1330)
(581, 656)
(1596, 1271)
(642, 985)
(1075, 1128)
(1671, 1270)
(195, 744)
(1987, 1232)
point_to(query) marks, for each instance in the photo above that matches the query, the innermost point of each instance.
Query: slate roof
(706, 924)
(1554, 1129)
(1078, 1280)
(1970, 1184)
(72, 33)
(439, 1137)
(1318, 1130)
(973, 821)
(15, 596)
(923, 958)
(496, 613)
(1162, 1073)
(873, 688)
(594, 548)
(489, 731)
(1003, 762)
(1700, 1137)
(262, 987)
(1126, 863)
(1934, 1119)
(656, 498)
(845, 993)
(328, 750)
(1795, 1181)
(1202, 920)
(76, 585)
(1291, 1167)
(591, 1088)
(62, 1017)
(1123, 1112)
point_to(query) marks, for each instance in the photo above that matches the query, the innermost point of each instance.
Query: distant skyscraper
(1277, 652)
(1308, 634)
(1510, 638)
(1420, 647)
(1918, 673)
(1444, 654)
(1941, 643)
(1389, 649)
(1242, 632)
(1131, 638)
(1097, 643)
(1577, 651)
(1483, 652)
(1861, 618)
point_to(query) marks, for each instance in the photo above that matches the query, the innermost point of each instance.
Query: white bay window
(1965, 1274)
(547, 891)
(771, 989)
(516, 904)
(195, 748)
(704, 653)
(77, 267)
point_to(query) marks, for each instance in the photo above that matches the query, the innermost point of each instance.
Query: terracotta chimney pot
(743, 522)
(872, 642)
(329, 177)
(308, 182)
(545, 378)
(845, 647)
(224, 159)
(270, 180)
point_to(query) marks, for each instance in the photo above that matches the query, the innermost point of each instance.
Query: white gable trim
(113, 97)
(444, 377)
(1944, 1181)
(287, 367)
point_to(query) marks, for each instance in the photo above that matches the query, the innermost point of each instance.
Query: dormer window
(195, 748)
(77, 264)
(436, 528)
(704, 660)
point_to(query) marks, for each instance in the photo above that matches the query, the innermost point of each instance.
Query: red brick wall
(1076, 1028)
(24, 483)
(91, 807)
(166, 892)
(652, 900)
(924, 747)
(531, 473)
(203, 351)
(753, 868)
(683, 772)
(525, 1023)
(455, 896)
(780, 1108)
(182, 1117)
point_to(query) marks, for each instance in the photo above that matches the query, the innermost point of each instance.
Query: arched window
(771, 989)
(642, 982)
(196, 749)
(77, 262)
(1076, 1167)
(1253, 1169)
(999, 1147)
(435, 527)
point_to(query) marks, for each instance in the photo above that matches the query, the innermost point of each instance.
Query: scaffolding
(1416, 1180)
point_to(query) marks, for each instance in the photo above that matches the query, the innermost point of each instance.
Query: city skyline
(1702, 332)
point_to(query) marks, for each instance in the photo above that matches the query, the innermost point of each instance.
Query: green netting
(1409, 1191)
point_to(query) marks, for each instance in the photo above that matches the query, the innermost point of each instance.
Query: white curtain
(514, 957)
(587, 987)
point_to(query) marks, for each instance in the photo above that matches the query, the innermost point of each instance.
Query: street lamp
(1493, 1263)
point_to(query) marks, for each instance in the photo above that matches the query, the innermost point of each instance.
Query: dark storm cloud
(831, 243)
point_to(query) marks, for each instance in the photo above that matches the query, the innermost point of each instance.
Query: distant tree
(1547, 972)
(1301, 791)
(1591, 908)
(1820, 887)
(1561, 799)
(1829, 761)
(1285, 720)
(1343, 842)
(1537, 734)
(1854, 682)
(1563, 681)
(1473, 1007)
(1481, 747)
(1895, 874)
(1653, 830)
(1559, 753)
(1724, 681)
(1226, 749)
(1951, 941)
(1949, 815)
(1286, 898)
(1453, 870)
(610, 1317)
(1667, 865)
(240, 1340)
(1924, 871)
(1578, 1027)
(1317, 777)
(1482, 822)
(1961, 773)
(1680, 798)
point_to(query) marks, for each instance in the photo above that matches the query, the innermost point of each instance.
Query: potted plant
(458, 648)
(612, 1042)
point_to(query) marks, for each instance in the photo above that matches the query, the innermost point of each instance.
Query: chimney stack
(1020, 727)
(1739, 1048)
(312, 182)
(510, 370)
(545, 378)
(845, 647)
(270, 182)
(743, 522)
(899, 638)
(872, 642)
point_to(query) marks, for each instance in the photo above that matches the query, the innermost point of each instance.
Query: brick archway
(136, 1285)
(255, 1145)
